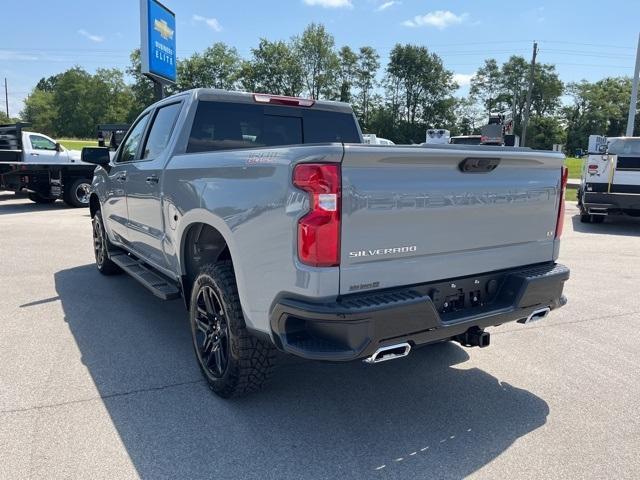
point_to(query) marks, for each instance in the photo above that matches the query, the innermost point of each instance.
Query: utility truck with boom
(610, 183)
(281, 230)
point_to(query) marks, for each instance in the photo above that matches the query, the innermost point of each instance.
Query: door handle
(35, 154)
(152, 179)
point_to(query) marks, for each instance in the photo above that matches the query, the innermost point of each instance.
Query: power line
(601, 45)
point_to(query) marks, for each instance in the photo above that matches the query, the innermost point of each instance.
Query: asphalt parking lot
(98, 380)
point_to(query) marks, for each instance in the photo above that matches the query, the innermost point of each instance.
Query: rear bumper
(605, 203)
(354, 326)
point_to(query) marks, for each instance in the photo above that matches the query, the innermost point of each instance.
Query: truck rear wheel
(76, 194)
(232, 361)
(37, 198)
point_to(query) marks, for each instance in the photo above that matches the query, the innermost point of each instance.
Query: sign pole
(158, 90)
(634, 94)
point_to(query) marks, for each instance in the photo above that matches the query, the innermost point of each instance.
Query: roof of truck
(214, 94)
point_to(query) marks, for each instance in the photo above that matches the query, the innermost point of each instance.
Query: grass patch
(75, 144)
(575, 166)
(571, 194)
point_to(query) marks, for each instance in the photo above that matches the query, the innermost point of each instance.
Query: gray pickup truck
(281, 230)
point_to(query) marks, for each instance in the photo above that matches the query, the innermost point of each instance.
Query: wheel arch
(203, 241)
(94, 204)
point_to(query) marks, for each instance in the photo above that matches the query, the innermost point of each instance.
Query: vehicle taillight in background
(592, 169)
(563, 189)
(282, 100)
(319, 230)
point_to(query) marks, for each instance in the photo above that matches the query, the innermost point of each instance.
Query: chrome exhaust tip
(390, 352)
(537, 315)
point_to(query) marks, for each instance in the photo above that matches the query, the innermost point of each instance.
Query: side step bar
(155, 283)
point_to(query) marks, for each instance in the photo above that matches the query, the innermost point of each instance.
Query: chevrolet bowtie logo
(162, 27)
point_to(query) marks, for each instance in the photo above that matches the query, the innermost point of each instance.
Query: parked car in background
(281, 230)
(37, 164)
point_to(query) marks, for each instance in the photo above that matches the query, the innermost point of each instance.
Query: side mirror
(58, 147)
(95, 155)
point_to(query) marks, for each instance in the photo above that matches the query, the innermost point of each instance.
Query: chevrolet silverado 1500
(281, 230)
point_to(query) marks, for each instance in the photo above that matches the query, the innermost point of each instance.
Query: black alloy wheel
(211, 333)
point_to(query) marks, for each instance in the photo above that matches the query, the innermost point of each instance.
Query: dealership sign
(158, 41)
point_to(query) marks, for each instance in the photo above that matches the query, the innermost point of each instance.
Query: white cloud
(211, 22)
(463, 79)
(90, 36)
(7, 55)
(330, 3)
(388, 4)
(439, 19)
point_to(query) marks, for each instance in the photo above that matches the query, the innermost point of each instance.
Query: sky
(585, 39)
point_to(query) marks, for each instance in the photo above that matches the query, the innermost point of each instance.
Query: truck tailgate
(412, 215)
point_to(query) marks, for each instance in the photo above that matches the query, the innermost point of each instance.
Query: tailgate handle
(478, 165)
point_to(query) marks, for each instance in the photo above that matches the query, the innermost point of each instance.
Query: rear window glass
(226, 126)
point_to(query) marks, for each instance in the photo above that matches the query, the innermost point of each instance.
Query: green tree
(505, 88)
(547, 90)
(116, 98)
(365, 80)
(141, 88)
(217, 67)
(418, 85)
(544, 132)
(348, 69)
(40, 110)
(273, 68)
(469, 117)
(486, 85)
(318, 60)
(598, 108)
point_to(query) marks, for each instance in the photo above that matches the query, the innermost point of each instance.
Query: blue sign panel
(158, 49)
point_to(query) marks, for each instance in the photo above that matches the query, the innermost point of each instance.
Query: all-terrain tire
(37, 198)
(101, 247)
(76, 194)
(250, 361)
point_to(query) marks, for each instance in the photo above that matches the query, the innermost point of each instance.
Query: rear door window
(161, 130)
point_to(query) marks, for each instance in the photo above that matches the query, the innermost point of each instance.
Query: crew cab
(36, 163)
(281, 230)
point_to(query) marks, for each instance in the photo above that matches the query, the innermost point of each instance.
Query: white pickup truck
(38, 164)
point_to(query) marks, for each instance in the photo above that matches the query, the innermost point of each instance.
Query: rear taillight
(592, 169)
(319, 230)
(563, 189)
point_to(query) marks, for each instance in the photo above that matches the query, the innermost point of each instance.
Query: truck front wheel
(76, 194)
(101, 247)
(232, 361)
